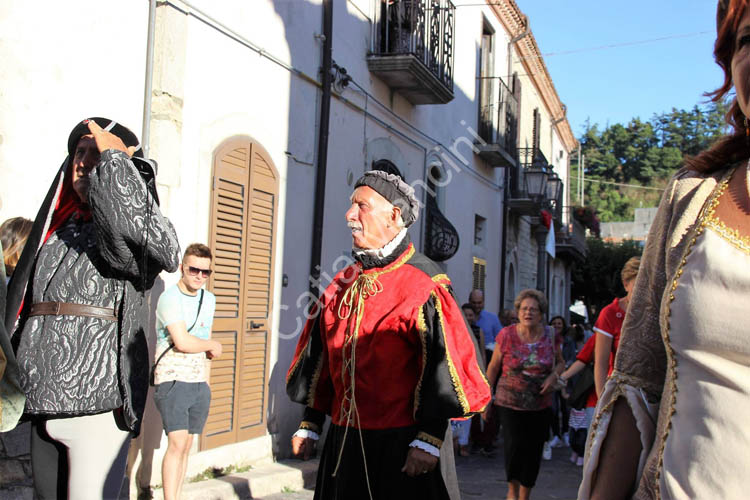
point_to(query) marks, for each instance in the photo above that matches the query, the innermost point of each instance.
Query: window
(480, 224)
(537, 133)
(479, 272)
(487, 101)
(386, 166)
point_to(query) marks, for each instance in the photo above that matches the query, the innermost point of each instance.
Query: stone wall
(15, 464)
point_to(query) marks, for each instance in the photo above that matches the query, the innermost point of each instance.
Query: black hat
(395, 190)
(121, 131)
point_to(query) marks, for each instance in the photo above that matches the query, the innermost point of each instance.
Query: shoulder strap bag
(171, 344)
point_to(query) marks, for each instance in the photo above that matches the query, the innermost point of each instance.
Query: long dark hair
(731, 148)
(565, 325)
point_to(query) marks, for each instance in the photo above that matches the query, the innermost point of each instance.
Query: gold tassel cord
(363, 287)
(366, 285)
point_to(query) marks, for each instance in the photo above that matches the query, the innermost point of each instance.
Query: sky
(632, 79)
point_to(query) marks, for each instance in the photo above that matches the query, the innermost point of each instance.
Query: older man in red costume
(388, 356)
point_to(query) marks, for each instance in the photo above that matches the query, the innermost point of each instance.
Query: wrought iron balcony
(570, 241)
(529, 157)
(413, 49)
(498, 123)
(527, 192)
(441, 237)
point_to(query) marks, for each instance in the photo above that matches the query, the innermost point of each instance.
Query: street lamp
(536, 182)
(554, 186)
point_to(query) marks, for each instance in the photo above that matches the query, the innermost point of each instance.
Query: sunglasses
(195, 271)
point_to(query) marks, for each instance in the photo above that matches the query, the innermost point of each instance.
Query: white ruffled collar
(382, 252)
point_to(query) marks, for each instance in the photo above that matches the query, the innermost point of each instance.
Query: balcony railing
(529, 157)
(442, 238)
(498, 123)
(413, 49)
(521, 201)
(571, 241)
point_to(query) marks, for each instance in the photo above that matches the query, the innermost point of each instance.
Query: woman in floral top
(528, 359)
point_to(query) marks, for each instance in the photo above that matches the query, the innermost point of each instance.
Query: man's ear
(395, 215)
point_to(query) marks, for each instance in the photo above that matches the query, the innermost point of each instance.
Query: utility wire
(635, 186)
(622, 44)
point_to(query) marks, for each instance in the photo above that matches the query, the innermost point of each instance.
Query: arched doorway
(244, 202)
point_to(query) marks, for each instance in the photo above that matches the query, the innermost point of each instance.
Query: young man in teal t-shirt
(184, 317)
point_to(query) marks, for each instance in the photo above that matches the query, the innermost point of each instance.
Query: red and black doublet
(389, 357)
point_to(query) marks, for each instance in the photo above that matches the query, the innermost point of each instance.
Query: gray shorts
(183, 405)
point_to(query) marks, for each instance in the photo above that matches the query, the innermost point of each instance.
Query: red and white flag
(549, 223)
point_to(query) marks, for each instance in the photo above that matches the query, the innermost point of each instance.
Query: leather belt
(68, 309)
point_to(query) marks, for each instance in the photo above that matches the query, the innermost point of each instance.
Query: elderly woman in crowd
(671, 420)
(524, 370)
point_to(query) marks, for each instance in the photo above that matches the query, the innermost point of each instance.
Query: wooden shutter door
(243, 208)
(258, 295)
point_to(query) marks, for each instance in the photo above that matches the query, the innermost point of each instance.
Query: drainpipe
(541, 258)
(146, 127)
(323, 130)
(504, 238)
(506, 179)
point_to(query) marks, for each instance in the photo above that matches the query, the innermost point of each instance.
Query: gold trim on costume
(429, 439)
(309, 426)
(442, 280)
(314, 382)
(731, 235)
(706, 215)
(299, 358)
(462, 399)
(422, 332)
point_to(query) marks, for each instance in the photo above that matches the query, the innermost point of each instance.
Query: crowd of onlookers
(545, 377)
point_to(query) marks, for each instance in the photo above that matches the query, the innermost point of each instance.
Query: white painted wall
(62, 63)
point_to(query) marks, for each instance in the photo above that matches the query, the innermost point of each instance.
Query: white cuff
(435, 452)
(306, 433)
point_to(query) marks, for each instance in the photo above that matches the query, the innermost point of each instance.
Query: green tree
(597, 281)
(643, 153)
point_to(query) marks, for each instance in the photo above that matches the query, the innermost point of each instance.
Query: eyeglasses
(529, 309)
(195, 271)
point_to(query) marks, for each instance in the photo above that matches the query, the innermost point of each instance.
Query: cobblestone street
(484, 478)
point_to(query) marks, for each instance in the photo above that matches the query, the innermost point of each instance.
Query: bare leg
(618, 460)
(513, 487)
(525, 493)
(172, 469)
(184, 465)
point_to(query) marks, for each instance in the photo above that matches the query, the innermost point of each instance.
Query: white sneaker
(579, 462)
(573, 457)
(547, 451)
(556, 442)
(566, 438)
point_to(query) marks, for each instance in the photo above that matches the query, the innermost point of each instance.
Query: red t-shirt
(586, 355)
(609, 323)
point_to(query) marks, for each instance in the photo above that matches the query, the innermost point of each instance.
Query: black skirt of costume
(385, 451)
